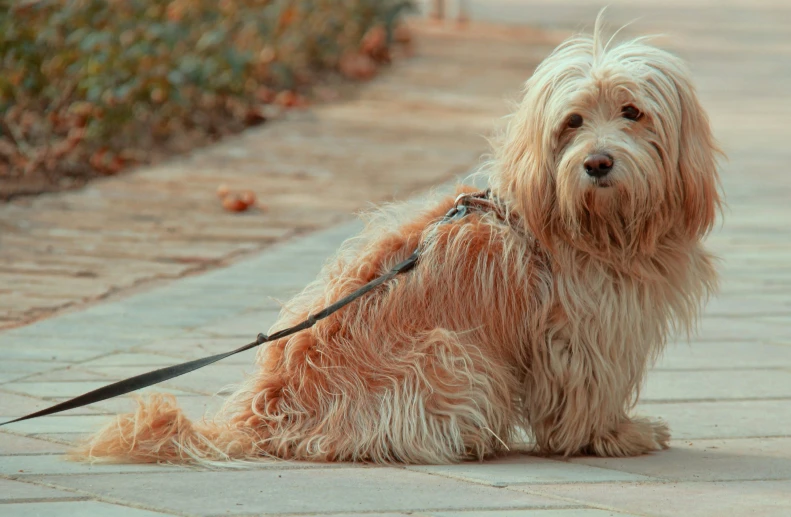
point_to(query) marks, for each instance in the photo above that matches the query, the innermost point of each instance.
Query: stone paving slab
(19, 492)
(566, 512)
(526, 470)
(266, 492)
(11, 445)
(15, 404)
(749, 459)
(687, 499)
(707, 355)
(82, 508)
(680, 386)
(32, 467)
(76, 421)
(724, 418)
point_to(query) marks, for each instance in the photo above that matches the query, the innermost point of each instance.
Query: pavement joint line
(44, 500)
(105, 499)
(723, 369)
(744, 317)
(651, 479)
(712, 400)
(267, 464)
(87, 495)
(723, 438)
(702, 341)
(413, 512)
(596, 506)
(600, 467)
(11, 392)
(43, 438)
(32, 453)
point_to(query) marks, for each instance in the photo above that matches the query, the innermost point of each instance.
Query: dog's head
(610, 150)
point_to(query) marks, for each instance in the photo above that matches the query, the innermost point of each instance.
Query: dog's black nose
(598, 165)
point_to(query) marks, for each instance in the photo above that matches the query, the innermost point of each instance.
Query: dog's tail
(160, 432)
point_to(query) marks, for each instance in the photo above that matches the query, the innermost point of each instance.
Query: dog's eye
(631, 113)
(575, 121)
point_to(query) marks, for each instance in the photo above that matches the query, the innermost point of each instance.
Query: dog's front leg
(578, 404)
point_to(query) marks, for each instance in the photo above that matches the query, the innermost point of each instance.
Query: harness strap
(459, 210)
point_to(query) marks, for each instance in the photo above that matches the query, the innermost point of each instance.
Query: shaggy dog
(542, 322)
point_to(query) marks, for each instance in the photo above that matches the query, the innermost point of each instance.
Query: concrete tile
(63, 390)
(744, 306)
(63, 423)
(697, 420)
(278, 274)
(67, 439)
(299, 491)
(14, 351)
(731, 498)
(100, 329)
(743, 329)
(159, 314)
(69, 373)
(11, 444)
(544, 512)
(525, 469)
(709, 460)
(713, 355)
(17, 491)
(26, 368)
(12, 404)
(716, 384)
(56, 464)
(81, 508)
(25, 337)
(245, 326)
(188, 298)
(78, 330)
(209, 380)
(131, 358)
(375, 514)
(196, 344)
(11, 376)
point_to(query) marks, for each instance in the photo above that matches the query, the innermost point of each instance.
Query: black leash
(163, 374)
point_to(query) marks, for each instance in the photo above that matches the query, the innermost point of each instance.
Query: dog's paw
(661, 433)
(631, 438)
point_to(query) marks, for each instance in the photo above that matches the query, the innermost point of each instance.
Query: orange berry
(234, 204)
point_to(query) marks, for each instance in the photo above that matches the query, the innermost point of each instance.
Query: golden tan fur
(548, 326)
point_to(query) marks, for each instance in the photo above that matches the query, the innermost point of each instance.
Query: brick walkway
(421, 123)
(727, 397)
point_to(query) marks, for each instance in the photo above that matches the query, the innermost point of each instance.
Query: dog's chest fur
(614, 323)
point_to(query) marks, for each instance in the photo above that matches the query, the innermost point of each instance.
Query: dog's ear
(697, 163)
(524, 175)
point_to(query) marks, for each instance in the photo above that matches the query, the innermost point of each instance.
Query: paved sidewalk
(727, 396)
(421, 122)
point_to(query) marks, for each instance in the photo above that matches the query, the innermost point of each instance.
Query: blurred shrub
(89, 85)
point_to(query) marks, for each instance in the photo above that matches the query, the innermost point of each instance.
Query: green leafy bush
(89, 85)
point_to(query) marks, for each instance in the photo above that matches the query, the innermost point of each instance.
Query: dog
(539, 324)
